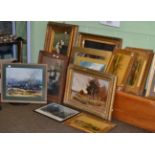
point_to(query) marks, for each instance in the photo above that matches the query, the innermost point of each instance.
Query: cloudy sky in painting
(80, 82)
(23, 73)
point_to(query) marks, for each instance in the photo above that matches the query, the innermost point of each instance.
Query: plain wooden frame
(53, 27)
(146, 55)
(106, 114)
(82, 37)
(56, 98)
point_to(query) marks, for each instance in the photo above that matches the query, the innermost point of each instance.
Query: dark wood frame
(56, 57)
(53, 27)
(108, 107)
(127, 68)
(110, 41)
(143, 59)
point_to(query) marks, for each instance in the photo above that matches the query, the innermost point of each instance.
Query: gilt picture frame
(137, 78)
(150, 89)
(60, 38)
(89, 123)
(56, 74)
(91, 58)
(120, 65)
(90, 91)
(86, 40)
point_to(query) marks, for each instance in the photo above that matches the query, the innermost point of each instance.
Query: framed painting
(150, 90)
(89, 123)
(91, 58)
(24, 83)
(57, 111)
(56, 74)
(138, 75)
(90, 91)
(86, 40)
(60, 38)
(120, 65)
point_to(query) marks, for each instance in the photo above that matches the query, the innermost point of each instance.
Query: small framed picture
(57, 111)
(56, 74)
(91, 58)
(120, 65)
(24, 83)
(90, 91)
(99, 42)
(60, 38)
(137, 78)
(89, 123)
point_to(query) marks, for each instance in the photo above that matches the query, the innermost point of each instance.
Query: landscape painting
(93, 66)
(24, 82)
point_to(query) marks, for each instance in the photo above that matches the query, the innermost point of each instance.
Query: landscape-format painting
(89, 123)
(89, 91)
(25, 82)
(93, 66)
(57, 111)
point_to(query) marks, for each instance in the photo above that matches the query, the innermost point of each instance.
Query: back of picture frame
(60, 38)
(86, 40)
(90, 58)
(138, 75)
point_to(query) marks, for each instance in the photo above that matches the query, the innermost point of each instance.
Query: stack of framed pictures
(60, 38)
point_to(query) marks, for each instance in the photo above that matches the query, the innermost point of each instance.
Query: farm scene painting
(24, 82)
(89, 91)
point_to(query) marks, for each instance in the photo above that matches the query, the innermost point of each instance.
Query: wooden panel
(135, 110)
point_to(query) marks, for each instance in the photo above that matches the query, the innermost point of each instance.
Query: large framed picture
(150, 90)
(86, 40)
(24, 83)
(89, 123)
(60, 38)
(120, 65)
(91, 58)
(56, 74)
(90, 91)
(137, 78)
(57, 111)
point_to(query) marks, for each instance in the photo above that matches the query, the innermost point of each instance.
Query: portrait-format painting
(120, 65)
(93, 93)
(56, 74)
(139, 72)
(60, 38)
(57, 111)
(89, 123)
(24, 83)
